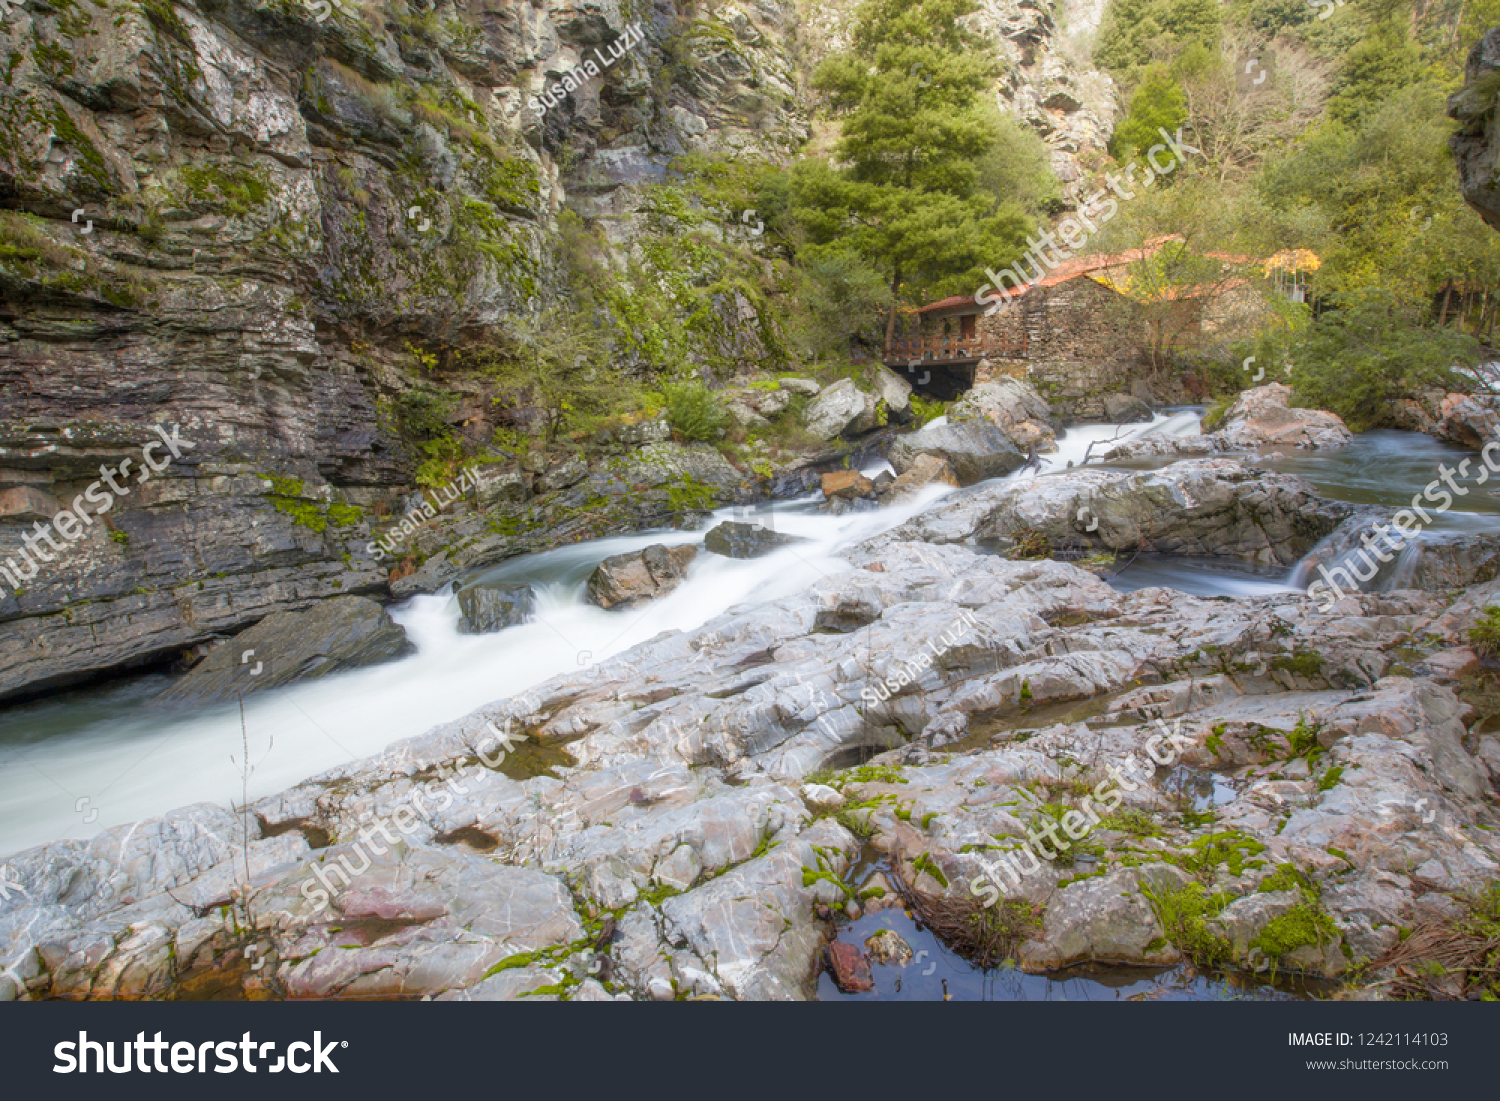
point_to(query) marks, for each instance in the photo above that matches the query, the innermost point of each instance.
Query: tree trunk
(890, 321)
(1447, 295)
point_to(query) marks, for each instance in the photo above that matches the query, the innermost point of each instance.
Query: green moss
(1231, 848)
(924, 863)
(342, 515)
(658, 893)
(689, 495)
(91, 164)
(1184, 914)
(1304, 924)
(1129, 820)
(1330, 778)
(1303, 663)
(1215, 414)
(230, 191)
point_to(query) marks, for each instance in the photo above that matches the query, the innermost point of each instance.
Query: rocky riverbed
(696, 816)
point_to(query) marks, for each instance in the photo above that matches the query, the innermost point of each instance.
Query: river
(79, 761)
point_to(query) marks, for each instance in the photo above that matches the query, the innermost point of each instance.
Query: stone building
(1089, 328)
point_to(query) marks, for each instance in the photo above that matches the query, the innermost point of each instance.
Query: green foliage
(694, 412)
(555, 363)
(842, 299)
(926, 410)
(909, 192)
(1134, 33)
(1159, 102)
(1375, 348)
(1484, 636)
(1184, 914)
(235, 190)
(1383, 64)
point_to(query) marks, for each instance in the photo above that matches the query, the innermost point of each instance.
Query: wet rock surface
(488, 609)
(347, 632)
(1096, 760)
(626, 580)
(976, 450)
(733, 539)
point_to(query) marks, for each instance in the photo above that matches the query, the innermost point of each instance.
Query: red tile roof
(1083, 265)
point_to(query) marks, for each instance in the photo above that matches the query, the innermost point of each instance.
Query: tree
(1158, 103)
(1135, 33)
(907, 193)
(1358, 359)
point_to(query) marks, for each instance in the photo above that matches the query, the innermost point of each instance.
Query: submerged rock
(488, 609)
(889, 947)
(850, 967)
(733, 539)
(348, 632)
(625, 580)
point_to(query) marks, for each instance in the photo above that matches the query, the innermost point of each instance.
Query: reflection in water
(934, 972)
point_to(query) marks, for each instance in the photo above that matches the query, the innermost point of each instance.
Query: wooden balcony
(912, 350)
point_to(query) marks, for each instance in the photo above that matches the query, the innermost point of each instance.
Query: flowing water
(76, 762)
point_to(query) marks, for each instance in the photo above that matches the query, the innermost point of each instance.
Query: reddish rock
(926, 470)
(847, 483)
(850, 968)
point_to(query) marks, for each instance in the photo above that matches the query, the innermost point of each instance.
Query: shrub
(694, 413)
(1484, 636)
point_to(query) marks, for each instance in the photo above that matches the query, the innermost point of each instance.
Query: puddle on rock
(936, 974)
(1205, 788)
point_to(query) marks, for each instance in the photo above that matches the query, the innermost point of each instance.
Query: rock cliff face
(274, 206)
(247, 219)
(1476, 141)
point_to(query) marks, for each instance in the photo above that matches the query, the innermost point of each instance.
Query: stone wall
(1082, 341)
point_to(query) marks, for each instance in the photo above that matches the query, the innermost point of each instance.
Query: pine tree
(907, 192)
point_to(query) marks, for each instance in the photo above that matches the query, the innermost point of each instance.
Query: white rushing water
(79, 763)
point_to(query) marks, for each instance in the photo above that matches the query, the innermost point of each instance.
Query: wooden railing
(952, 349)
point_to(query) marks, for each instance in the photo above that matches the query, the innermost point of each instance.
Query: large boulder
(625, 580)
(895, 392)
(804, 386)
(347, 632)
(1468, 420)
(1012, 406)
(836, 410)
(486, 610)
(1126, 409)
(732, 539)
(1194, 507)
(976, 450)
(1263, 417)
(499, 483)
(756, 405)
